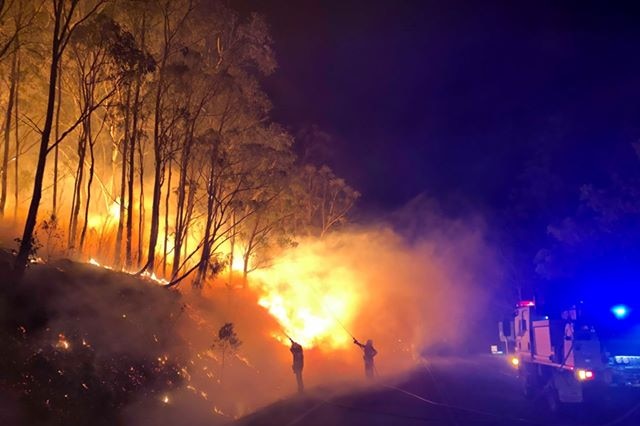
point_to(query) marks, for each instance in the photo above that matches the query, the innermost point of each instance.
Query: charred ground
(76, 344)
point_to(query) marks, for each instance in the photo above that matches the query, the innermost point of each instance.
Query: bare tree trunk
(249, 250)
(125, 145)
(115, 153)
(30, 223)
(191, 202)
(77, 191)
(130, 182)
(186, 220)
(206, 246)
(180, 223)
(134, 141)
(177, 236)
(155, 215)
(16, 183)
(141, 206)
(7, 129)
(166, 222)
(232, 239)
(157, 173)
(54, 208)
(90, 181)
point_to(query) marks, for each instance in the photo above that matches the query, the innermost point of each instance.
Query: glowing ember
(63, 343)
(165, 399)
(311, 304)
(218, 411)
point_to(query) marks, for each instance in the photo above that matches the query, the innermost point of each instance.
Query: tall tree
(177, 85)
(96, 49)
(27, 11)
(324, 200)
(174, 17)
(266, 206)
(7, 124)
(132, 64)
(146, 65)
(66, 19)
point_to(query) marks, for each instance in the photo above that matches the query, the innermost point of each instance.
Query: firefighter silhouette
(298, 363)
(369, 353)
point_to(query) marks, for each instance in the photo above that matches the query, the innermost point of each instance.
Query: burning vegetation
(147, 144)
(158, 355)
(199, 244)
(143, 149)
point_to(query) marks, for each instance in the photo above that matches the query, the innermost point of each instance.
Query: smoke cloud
(412, 297)
(412, 289)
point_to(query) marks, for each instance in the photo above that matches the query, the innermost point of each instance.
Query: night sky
(460, 100)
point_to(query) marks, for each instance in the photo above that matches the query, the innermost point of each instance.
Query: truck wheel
(528, 383)
(553, 403)
(553, 400)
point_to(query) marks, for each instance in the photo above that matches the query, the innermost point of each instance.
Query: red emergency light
(585, 375)
(525, 304)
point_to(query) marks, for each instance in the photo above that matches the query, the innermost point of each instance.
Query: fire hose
(435, 420)
(330, 312)
(468, 410)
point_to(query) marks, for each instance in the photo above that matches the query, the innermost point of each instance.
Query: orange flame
(313, 306)
(150, 276)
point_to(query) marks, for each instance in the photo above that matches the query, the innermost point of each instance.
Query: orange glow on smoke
(311, 304)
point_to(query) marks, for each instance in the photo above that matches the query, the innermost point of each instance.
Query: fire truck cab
(564, 360)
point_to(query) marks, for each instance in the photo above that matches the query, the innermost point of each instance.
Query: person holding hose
(369, 353)
(298, 363)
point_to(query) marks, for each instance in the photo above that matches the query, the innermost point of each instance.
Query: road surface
(456, 392)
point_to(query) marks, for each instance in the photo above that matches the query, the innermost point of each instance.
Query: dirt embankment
(78, 343)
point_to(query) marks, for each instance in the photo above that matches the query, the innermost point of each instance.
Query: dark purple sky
(481, 101)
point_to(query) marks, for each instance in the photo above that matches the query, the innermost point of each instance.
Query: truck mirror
(506, 327)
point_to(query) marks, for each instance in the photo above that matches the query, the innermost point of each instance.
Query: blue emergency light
(620, 311)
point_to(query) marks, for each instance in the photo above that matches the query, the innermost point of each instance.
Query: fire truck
(577, 355)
